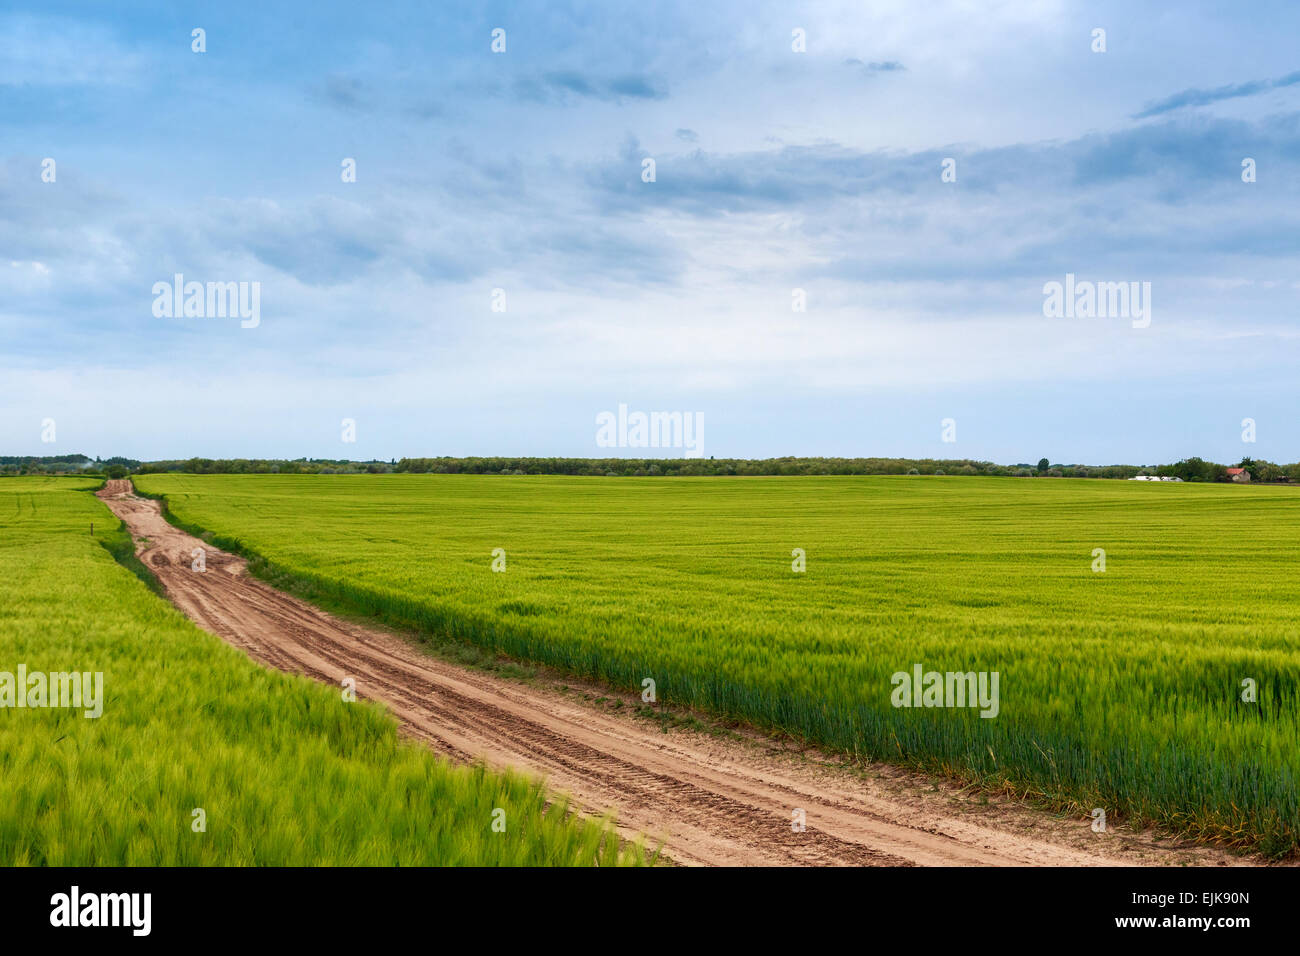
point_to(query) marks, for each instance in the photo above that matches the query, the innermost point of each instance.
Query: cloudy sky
(774, 170)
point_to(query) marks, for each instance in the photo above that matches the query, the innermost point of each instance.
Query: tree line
(1188, 469)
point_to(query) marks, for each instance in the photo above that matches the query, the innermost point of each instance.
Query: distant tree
(1265, 471)
(1194, 469)
(1044, 464)
(115, 471)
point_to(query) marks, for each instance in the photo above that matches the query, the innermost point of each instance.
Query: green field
(285, 771)
(1119, 689)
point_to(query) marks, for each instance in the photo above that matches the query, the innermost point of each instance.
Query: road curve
(710, 799)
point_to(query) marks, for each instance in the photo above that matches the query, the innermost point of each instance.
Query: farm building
(1239, 475)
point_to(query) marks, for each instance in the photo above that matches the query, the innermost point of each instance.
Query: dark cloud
(570, 85)
(638, 87)
(1163, 199)
(572, 82)
(1177, 161)
(346, 93)
(876, 66)
(1195, 97)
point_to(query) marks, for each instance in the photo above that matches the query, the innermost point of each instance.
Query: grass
(285, 771)
(1120, 689)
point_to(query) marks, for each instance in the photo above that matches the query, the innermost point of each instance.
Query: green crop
(1120, 689)
(285, 772)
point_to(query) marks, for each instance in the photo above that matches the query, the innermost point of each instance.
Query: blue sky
(775, 170)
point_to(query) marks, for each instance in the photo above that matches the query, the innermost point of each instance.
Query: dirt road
(712, 799)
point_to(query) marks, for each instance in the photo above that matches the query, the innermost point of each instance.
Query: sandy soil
(710, 798)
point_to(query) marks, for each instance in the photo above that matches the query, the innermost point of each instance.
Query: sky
(501, 272)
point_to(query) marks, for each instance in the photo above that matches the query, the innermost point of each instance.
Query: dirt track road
(711, 799)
